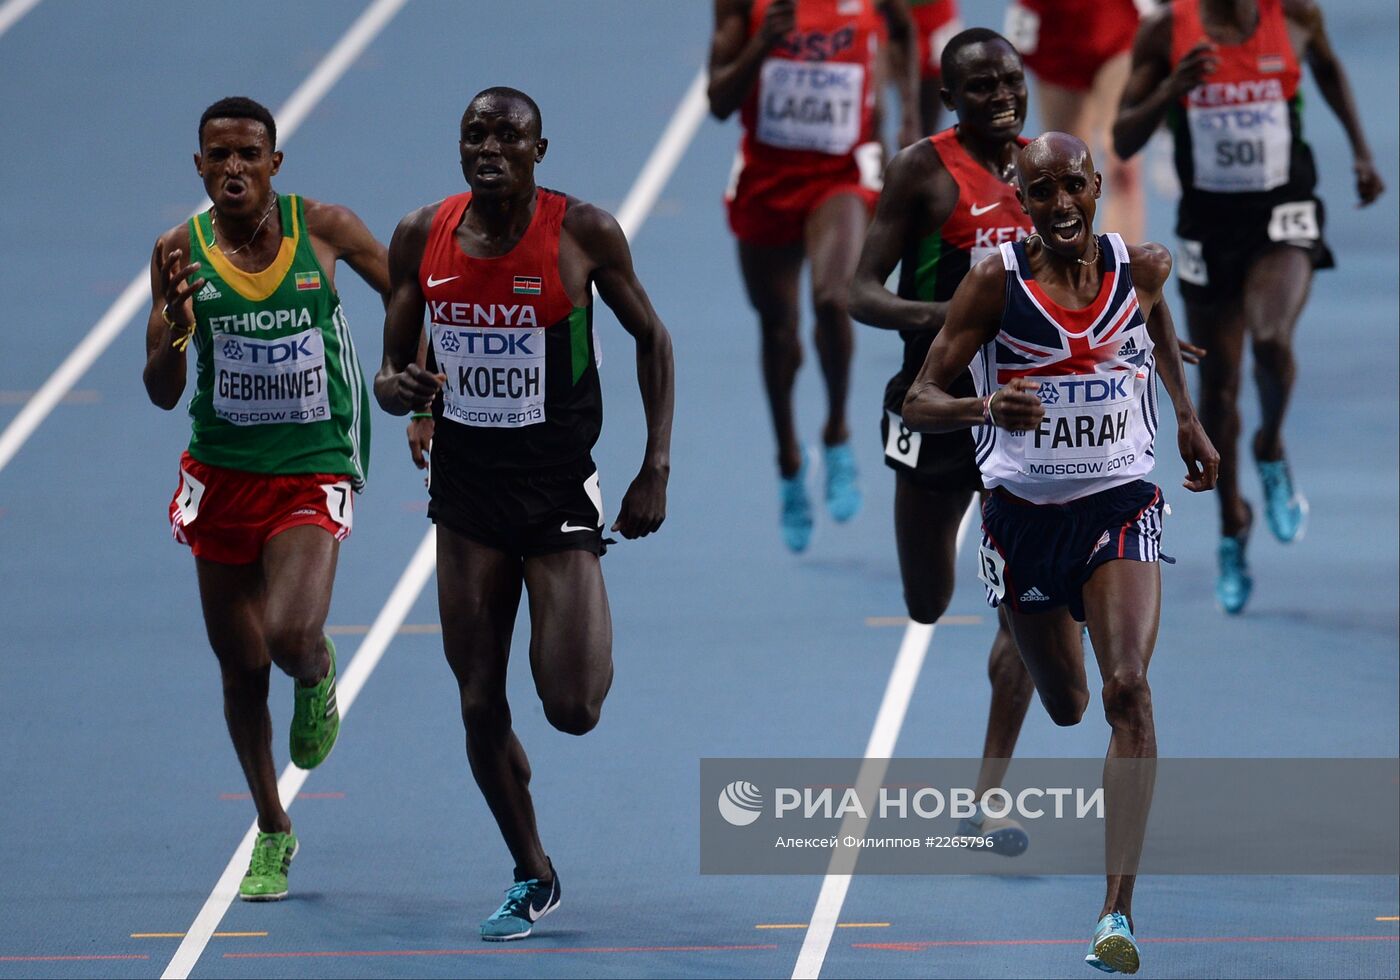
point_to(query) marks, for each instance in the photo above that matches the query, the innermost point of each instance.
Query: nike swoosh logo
(566, 527)
(975, 212)
(439, 282)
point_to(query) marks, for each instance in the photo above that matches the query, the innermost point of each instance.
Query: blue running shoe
(1234, 585)
(1285, 507)
(796, 518)
(1113, 949)
(526, 903)
(1008, 837)
(843, 497)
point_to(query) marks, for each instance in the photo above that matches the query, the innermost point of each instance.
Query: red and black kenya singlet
(522, 387)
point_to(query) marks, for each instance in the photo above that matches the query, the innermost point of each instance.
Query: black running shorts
(933, 461)
(1218, 242)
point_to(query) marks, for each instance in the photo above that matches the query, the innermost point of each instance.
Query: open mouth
(1067, 230)
(489, 170)
(234, 189)
(1005, 118)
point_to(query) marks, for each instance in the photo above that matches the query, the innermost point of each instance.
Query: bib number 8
(902, 444)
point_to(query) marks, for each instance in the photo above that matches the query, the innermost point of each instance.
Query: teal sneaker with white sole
(843, 497)
(796, 516)
(1008, 837)
(266, 878)
(1285, 507)
(526, 903)
(315, 717)
(1234, 584)
(1113, 948)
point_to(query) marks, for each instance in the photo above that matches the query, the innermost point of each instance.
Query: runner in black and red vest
(1225, 76)
(948, 202)
(505, 275)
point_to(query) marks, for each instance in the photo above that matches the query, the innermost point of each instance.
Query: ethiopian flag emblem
(528, 285)
(307, 281)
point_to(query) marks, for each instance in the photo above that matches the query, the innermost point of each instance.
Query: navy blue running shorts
(1037, 557)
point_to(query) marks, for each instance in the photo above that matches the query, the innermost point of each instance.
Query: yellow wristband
(183, 341)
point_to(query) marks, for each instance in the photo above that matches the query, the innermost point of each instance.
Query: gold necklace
(214, 224)
(1080, 261)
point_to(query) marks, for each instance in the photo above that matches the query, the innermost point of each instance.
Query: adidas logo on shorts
(209, 292)
(1034, 595)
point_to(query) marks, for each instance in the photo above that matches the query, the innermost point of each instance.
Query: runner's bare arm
(1152, 264)
(735, 57)
(1154, 84)
(351, 242)
(904, 67)
(164, 373)
(602, 240)
(974, 317)
(1332, 81)
(402, 384)
(915, 183)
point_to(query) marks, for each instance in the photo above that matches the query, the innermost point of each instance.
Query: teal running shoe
(1285, 507)
(1234, 584)
(526, 903)
(1009, 838)
(266, 878)
(315, 717)
(1113, 949)
(796, 518)
(843, 498)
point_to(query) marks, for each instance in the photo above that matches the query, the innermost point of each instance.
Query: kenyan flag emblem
(528, 285)
(307, 281)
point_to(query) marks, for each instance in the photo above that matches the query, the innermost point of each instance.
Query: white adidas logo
(208, 292)
(1034, 595)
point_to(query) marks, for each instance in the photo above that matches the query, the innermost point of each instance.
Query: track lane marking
(883, 736)
(12, 11)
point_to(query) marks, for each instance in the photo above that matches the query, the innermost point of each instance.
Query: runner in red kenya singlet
(802, 73)
(948, 202)
(1225, 75)
(505, 275)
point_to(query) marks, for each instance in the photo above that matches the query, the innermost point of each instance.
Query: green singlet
(279, 389)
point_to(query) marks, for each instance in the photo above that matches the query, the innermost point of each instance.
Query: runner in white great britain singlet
(1098, 383)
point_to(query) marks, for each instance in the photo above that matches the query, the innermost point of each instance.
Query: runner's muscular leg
(1053, 652)
(925, 533)
(1275, 290)
(478, 595)
(835, 232)
(1219, 328)
(1123, 204)
(1011, 699)
(570, 637)
(1123, 602)
(771, 275)
(232, 597)
(299, 572)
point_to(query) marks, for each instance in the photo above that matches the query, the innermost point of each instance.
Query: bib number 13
(991, 569)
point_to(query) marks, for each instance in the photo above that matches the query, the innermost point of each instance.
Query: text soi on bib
(259, 382)
(813, 106)
(1241, 136)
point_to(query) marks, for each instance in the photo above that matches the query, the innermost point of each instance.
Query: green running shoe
(266, 880)
(315, 719)
(526, 903)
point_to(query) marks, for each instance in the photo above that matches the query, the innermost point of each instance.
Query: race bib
(495, 375)
(340, 503)
(1294, 222)
(1088, 428)
(1239, 146)
(902, 444)
(1191, 263)
(262, 382)
(991, 569)
(812, 106)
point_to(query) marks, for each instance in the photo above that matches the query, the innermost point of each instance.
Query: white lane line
(289, 117)
(878, 751)
(348, 687)
(638, 203)
(12, 10)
